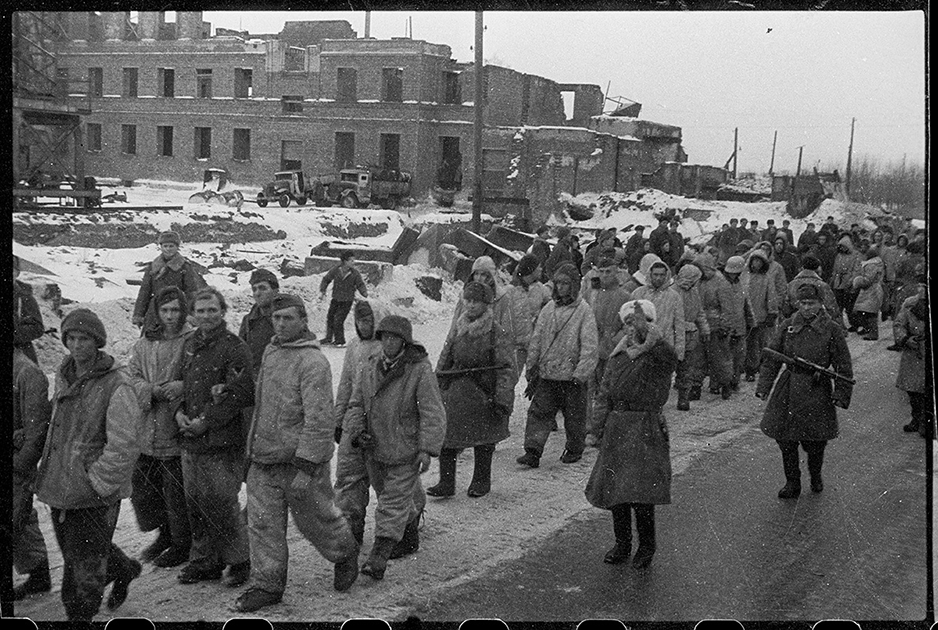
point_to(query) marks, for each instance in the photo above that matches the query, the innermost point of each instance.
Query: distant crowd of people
(599, 337)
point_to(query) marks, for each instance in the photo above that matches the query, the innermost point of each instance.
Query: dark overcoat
(634, 463)
(801, 405)
(478, 404)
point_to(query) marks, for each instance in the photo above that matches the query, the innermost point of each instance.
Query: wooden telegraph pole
(850, 157)
(477, 131)
(735, 152)
(772, 162)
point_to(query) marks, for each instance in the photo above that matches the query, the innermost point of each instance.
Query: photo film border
(257, 623)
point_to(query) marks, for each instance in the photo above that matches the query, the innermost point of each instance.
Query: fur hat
(735, 264)
(527, 265)
(169, 237)
(477, 292)
(396, 325)
(629, 309)
(808, 291)
(569, 270)
(263, 275)
(810, 262)
(85, 321)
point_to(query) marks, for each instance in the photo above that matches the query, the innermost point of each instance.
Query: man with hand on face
(396, 416)
(169, 269)
(290, 446)
(218, 383)
(87, 465)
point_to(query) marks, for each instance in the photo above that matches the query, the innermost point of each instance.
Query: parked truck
(352, 188)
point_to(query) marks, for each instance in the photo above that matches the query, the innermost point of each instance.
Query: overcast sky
(706, 72)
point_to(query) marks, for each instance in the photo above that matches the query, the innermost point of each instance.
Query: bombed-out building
(169, 99)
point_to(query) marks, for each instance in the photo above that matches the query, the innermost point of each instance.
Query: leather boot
(447, 485)
(377, 561)
(39, 581)
(694, 393)
(683, 401)
(645, 525)
(158, 546)
(411, 540)
(531, 458)
(482, 471)
(345, 573)
(622, 525)
(815, 464)
(790, 462)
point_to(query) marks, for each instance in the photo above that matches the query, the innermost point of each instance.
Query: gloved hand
(19, 437)
(704, 339)
(338, 435)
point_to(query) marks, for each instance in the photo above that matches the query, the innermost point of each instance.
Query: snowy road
(536, 523)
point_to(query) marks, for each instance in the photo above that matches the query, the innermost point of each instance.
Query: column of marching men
(600, 338)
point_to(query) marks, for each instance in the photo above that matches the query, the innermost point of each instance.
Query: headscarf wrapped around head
(647, 307)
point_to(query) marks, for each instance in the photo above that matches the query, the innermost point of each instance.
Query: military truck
(361, 186)
(287, 186)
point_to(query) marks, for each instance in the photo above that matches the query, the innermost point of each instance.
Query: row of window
(392, 85)
(389, 146)
(201, 141)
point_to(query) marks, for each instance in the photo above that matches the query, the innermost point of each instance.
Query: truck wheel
(323, 203)
(284, 200)
(262, 201)
(389, 204)
(301, 200)
(350, 201)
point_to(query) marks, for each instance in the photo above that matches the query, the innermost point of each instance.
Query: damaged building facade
(170, 99)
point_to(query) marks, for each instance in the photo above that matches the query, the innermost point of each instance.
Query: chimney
(115, 24)
(189, 25)
(149, 25)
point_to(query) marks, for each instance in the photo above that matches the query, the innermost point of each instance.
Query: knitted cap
(477, 292)
(169, 237)
(396, 325)
(563, 232)
(484, 263)
(85, 321)
(263, 275)
(629, 309)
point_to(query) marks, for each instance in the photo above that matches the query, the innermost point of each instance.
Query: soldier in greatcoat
(801, 406)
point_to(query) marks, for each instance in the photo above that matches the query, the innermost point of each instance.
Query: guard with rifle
(477, 381)
(818, 377)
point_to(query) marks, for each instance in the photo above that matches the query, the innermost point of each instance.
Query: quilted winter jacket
(92, 444)
(256, 330)
(565, 341)
(176, 272)
(155, 362)
(716, 297)
(402, 410)
(761, 291)
(846, 267)
(870, 283)
(669, 310)
(356, 355)
(292, 404)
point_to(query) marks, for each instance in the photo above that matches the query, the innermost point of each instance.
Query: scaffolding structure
(48, 152)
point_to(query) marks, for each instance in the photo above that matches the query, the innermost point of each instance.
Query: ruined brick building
(169, 100)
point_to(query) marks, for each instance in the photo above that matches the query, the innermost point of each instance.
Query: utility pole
(477, 131)
(735, 152)
(850, 157)
(797, 171)
(772, 162)
(367, 24)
